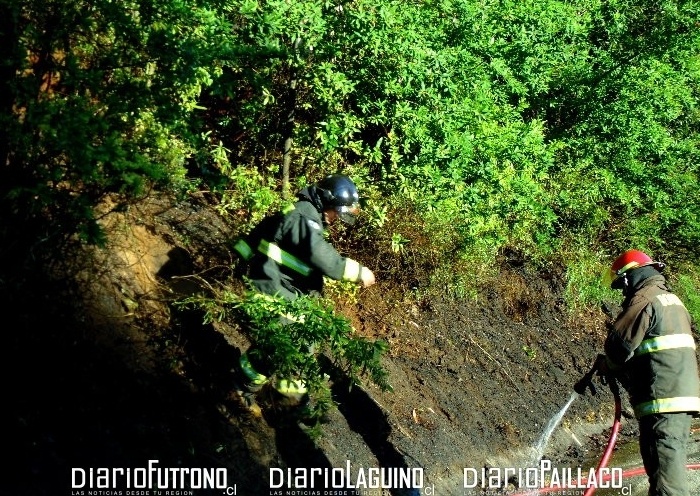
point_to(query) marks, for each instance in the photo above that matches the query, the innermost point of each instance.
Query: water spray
(586, 382)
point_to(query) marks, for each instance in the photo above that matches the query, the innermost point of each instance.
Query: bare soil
(114, 375)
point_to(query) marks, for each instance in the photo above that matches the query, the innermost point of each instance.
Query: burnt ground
(114, 375)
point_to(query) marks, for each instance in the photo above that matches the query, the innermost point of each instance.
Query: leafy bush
(686, 284)
(548, 127)
(290, 335)
(96, 104)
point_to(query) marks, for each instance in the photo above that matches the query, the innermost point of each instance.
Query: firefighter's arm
(325, 258)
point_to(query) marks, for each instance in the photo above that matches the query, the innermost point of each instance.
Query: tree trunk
(289, 123)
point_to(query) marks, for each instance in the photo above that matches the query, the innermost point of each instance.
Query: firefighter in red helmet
(651, 350)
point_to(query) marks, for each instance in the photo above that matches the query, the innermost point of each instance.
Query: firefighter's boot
(249, 382)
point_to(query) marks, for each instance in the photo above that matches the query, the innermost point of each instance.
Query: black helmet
(338, 192)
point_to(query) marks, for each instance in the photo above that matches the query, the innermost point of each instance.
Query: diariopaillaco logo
(545, 478)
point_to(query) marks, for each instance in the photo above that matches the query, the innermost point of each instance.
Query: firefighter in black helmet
(288, 256)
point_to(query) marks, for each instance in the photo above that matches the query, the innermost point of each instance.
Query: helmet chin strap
(630, 279)
(622, 282)
(625, 284)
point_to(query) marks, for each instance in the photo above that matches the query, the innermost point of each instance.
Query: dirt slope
(122, 377)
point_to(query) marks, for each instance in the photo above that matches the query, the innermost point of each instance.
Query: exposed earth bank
(115, 375)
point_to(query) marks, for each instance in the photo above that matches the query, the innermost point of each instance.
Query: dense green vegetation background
(559, 131)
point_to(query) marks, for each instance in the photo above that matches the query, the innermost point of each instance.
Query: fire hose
(615, 389)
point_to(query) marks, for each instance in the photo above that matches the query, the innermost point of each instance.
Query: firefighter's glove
(586, 382)
(603, 371)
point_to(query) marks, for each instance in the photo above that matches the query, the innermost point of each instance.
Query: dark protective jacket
(651, 348)
(288, 255)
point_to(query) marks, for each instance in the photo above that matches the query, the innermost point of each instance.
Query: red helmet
(631, 259)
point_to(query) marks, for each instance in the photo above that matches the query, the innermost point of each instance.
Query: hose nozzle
(585, 382)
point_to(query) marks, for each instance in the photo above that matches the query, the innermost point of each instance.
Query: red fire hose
(613, 434)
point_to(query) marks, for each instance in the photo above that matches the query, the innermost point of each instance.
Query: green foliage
(685, 282)
(247, 194)
(531, 353)
(546, 127)
(290, 336)
(97, 104)
(585, 279)
(631, 141)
